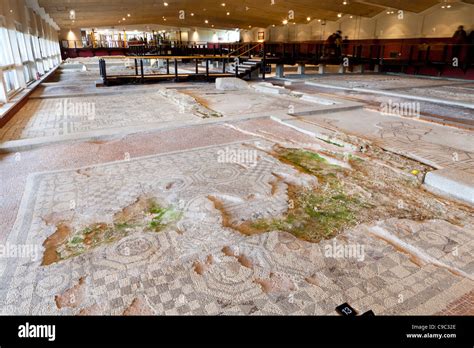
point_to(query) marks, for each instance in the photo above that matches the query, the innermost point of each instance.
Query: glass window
(6, 57)
(29, 49)
(44, 53)
(27, 73)
(36, 47)
(21, 45)
(11, 80)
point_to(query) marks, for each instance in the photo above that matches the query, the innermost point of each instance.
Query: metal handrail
(249, 50)
(238, 49)
(166, 57)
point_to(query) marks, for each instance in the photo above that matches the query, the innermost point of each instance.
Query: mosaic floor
(74, 106)
(233, 103)
(433, 144)
(201, 267)
(64, 116)
(73, 77)
(459, 91)
(200, 263)
(463, 93)
(453, 115)
(388, 82)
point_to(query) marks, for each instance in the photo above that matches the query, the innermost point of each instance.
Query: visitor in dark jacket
(334, 43)
(459, 39)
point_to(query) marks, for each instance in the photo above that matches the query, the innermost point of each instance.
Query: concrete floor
(413, 254)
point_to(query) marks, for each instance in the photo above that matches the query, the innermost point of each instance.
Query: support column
(360, 69)
(342, 69)
(264, 62)
(3, 94)
(322, 69)
(280, 70)
(176, 78)
(301, 69)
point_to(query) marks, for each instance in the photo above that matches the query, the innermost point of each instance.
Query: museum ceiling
(217, 13)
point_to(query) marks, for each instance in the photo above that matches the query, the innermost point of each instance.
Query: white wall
(434, 22)
(206, 35)
(72, 36)
(444, 23)
(201, 35)
(23, 24)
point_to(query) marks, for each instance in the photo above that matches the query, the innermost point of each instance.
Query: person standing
(459, 39)
(339, 42)
(331, 45)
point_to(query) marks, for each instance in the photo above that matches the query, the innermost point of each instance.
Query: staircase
(246, 67)
(246, 61)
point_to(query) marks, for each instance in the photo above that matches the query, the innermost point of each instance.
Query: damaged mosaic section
(188, 103)
(360, 192)
(145, 214)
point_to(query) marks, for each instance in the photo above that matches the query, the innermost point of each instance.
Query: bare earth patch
(144, 214)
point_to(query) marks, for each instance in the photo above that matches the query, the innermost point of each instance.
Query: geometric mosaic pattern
(385, 82)
(160, 268)
(462, 93)
(456, 91)
(247, 102)
(48, 118)
(413, 139)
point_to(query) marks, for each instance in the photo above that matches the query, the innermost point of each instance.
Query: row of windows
(23, 58)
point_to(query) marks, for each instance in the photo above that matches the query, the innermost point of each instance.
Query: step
(456, 182)
(241, 69)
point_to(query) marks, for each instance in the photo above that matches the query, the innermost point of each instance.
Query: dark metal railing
(141, 76)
